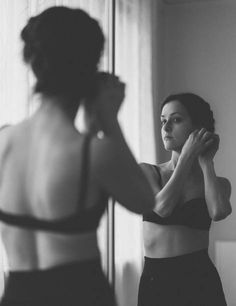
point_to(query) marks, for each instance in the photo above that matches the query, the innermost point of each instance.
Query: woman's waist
(166, 241)
(192, 262)
(59, 280)
(46, 250)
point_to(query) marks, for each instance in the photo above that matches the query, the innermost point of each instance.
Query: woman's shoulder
(161, 168)
(9, 133)
(147, 166)
(5, 139)
(155, 172)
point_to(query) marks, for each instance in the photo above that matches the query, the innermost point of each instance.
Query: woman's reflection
(189, 195)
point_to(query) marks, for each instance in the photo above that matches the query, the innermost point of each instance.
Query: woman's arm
(117, 172)
(168, 197)
(217, 189)
(114, 166)
(217, 193)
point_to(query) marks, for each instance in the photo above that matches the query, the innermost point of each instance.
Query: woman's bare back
(41, 173)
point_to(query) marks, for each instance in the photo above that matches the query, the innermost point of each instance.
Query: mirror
(193, 48)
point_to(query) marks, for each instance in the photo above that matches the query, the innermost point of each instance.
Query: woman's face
(176, 126)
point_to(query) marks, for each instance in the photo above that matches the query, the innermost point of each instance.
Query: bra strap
(84, 177)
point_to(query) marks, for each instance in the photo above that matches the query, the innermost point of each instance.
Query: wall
(199, 55)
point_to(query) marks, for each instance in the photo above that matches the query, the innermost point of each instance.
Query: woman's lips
(168, 138)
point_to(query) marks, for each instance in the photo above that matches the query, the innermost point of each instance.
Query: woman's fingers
(205, 135)
(213, 140)
(201, 132)
(209, 142)
(194, 133)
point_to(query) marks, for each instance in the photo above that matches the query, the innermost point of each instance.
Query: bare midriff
(161, 241)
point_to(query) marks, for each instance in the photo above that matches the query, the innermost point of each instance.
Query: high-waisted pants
(74, 284)
(186, 280)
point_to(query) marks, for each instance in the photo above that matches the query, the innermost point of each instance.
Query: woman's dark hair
(63, 47)
(197, 108)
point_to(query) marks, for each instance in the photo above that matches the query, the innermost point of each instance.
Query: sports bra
(193, 213)
(83, 220)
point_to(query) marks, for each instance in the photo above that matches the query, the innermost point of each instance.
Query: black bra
(193, 214)
(83, 220)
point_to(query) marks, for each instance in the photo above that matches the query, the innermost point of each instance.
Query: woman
(55, 181)
(189, 195)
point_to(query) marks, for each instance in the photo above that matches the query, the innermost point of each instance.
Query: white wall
(199, 55)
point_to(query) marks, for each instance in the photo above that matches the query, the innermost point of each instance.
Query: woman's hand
(209, 153)
(110, 94)
(104, 106)
(197, 143)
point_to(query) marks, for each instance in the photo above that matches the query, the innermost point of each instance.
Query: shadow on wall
(127, 282)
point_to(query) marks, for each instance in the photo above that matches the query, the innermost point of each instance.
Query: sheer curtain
(13, 74)
(135, 50)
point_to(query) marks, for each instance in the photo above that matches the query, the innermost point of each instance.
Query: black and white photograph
(117, 152)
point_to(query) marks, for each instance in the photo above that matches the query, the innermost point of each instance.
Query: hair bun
(63, 47)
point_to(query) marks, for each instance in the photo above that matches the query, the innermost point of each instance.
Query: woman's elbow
(221, 214)
(162, 210)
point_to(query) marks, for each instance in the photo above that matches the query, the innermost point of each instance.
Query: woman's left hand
(213, 145)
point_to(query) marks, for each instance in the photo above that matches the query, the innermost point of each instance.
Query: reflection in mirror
(189, 196)
(196, 54)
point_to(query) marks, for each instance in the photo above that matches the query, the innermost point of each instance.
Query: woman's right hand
(106, 102)
(110, 94)
(197, 142)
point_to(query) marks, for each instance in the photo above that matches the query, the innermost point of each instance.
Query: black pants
(186, 280)
(75, 284)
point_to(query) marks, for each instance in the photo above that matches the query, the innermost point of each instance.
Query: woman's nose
(167, 126)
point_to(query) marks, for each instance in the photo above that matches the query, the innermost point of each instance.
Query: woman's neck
(60, 105)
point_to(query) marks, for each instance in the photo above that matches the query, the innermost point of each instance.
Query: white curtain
(13, 74)
(135, 58)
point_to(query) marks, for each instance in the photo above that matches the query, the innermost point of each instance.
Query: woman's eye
(163, 122)
(177, 120)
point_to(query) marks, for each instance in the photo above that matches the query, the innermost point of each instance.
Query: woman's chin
(169, 147)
